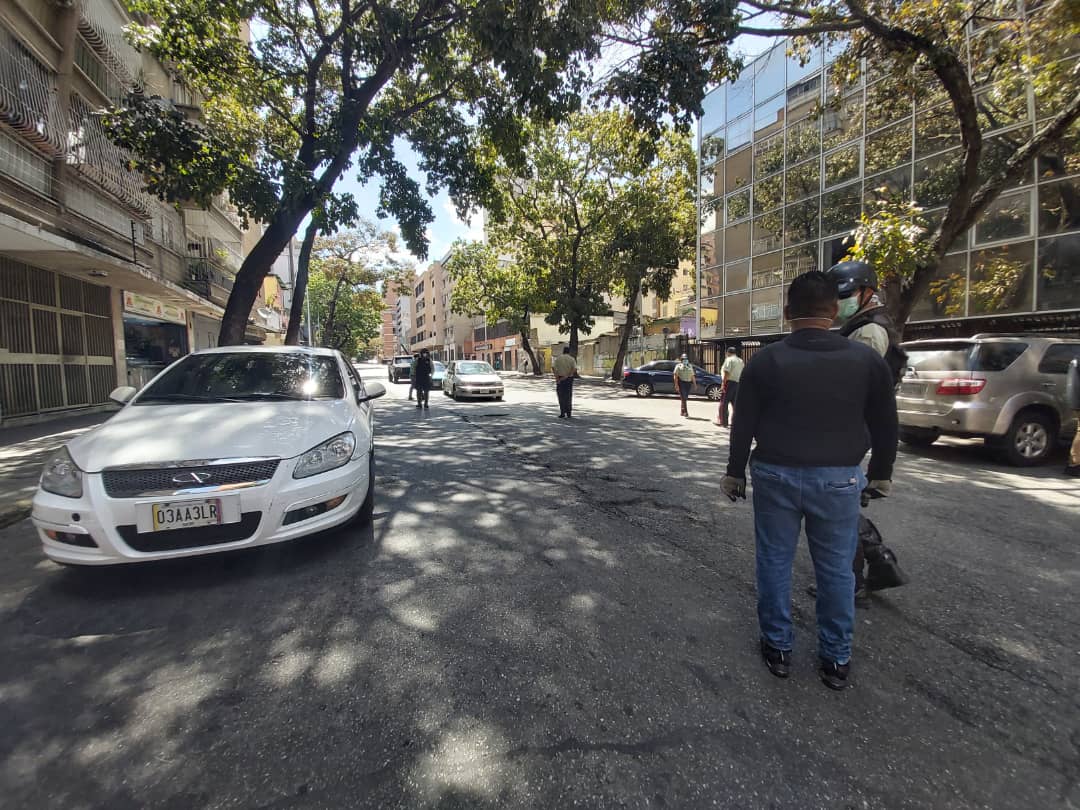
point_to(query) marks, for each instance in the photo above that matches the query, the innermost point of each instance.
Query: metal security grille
(56, 341)
(136, 483)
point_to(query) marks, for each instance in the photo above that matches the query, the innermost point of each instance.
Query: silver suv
(1006, 389)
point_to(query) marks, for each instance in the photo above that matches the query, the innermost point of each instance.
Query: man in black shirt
(815, 402)
(422, 373)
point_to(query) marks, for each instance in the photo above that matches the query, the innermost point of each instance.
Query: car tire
(1030, 440)
(453, 394)
(918, 437)
(644, 389)
(367, 509)
(714, 392)
(498, 399)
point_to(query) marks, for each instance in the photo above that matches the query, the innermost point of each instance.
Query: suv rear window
(1057, 358)
(964, 356)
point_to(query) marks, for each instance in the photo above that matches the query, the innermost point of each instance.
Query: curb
(14, 513)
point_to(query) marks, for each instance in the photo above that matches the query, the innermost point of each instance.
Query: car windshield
(439, 367)
(964, 356)
(244, 376)
(475, 367)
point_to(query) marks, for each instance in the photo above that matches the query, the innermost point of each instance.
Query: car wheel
(498, 398)
(1030, 439)
(644, 389)
(453, 394)
(918, 437)
(367, 510)
(714, 392)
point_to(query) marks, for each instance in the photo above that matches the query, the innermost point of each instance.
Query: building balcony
(209, 279)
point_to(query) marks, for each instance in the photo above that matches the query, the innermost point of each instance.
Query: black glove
(733, 487)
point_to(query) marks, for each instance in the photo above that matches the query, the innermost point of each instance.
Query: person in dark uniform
(422, 376)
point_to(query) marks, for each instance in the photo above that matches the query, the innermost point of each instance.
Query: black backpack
(895, 357)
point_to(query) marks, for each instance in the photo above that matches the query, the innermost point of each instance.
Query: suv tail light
(626, 373)
(960, 387)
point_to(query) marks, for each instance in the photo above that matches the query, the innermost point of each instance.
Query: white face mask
(848, 307)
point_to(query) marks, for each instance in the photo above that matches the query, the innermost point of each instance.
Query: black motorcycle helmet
(850, 276)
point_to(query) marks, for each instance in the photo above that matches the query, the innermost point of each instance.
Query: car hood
(151, 434)
(479, 379)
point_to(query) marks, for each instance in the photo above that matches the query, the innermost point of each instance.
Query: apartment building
(388, 333)
(435, 326)
(787, 170)
(101, 284)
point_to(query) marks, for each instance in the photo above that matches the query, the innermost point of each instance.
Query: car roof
(316, 350)
(983, 338)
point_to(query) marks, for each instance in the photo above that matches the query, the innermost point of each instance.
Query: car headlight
(327, 456)
(61, 476)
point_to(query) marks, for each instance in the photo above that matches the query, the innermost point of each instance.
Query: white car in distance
(227, 448)
(472, 379)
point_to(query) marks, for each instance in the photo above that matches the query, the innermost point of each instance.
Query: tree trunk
(573, 340)
(328, 327)
(296, 309)
(526, 344)
(253, 271)
(624, 341)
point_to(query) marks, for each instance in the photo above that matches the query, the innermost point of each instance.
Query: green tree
(919, 49)
(589, 213)
(346, 315)
(329, 84)
(496, 286)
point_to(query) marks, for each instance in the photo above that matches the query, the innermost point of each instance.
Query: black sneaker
(778, 661)
(834, 675)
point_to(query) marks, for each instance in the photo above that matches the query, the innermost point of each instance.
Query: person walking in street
(422, 371)
(862, 318)
(814, 402)
(565, 367)
(1072, 395)
(684, 381)
(731, 372)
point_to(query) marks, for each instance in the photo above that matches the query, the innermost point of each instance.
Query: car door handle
(1049, 385)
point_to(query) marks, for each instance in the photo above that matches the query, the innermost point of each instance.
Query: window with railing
(27, 100)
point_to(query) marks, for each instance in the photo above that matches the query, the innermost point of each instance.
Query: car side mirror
(374, 391)
(123, 394)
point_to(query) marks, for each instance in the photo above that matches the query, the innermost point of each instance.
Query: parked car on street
(437, 374)
(1006, 389)
(227, 448)
(400, 368)
(657, 377)
(472, 379)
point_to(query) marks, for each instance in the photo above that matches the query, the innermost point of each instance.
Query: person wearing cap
(731, 372)
(863, 319)
(683, 376)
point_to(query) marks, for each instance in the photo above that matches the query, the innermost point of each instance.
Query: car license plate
(909, 389)
(164, 516)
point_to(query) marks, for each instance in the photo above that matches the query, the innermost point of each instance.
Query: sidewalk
(23, 451)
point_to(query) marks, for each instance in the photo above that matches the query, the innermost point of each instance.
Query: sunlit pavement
(550, 613)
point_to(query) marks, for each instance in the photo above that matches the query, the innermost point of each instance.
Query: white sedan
(227, 448)
(472, 379)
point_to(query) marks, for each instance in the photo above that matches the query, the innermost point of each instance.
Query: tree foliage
(322, 85)
(597, 208)
(919, 49)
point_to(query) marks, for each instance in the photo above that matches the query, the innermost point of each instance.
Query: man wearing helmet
(862, 318)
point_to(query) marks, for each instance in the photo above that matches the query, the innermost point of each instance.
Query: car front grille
(191, 538)
(138, 483)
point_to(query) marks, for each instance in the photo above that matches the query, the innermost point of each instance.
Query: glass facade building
(788, 163)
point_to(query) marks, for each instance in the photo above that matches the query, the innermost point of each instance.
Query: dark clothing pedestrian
(422, 379)
(564, 390)
(727, 397)
(815, 402)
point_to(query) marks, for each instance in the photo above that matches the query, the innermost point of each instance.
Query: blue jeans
(827, 498)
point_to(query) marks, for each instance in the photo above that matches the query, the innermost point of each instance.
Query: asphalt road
(550, 614)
